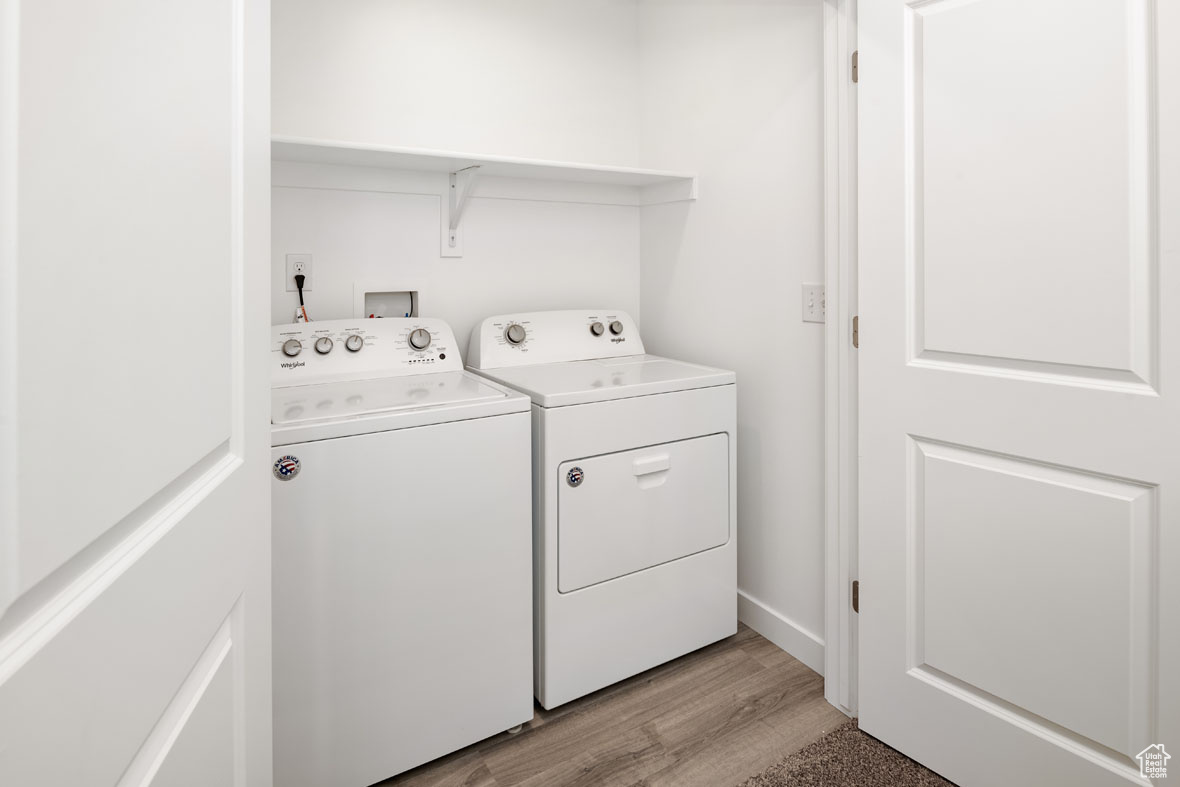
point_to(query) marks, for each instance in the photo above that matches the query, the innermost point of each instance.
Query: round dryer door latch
(574, 476)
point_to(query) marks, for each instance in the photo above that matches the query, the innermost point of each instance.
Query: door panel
(1003, 546)
(637, 509)
(203, 752)
(1019, 236)
(1009, 200)
(194, 741)
(104, 677)
(112, 272)
(135, 606)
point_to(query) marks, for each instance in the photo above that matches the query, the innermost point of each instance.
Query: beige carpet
(846, 757)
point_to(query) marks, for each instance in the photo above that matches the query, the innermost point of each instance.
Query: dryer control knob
(596, 328)
(419, 338)
(292, 347)
(323, 345)
(354, 342)
(514, 333)
(616, 327)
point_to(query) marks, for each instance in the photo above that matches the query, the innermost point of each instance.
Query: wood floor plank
(600, 727)
(766, 652)
(615, 761)
(710, 714)
(466, 770)
(806, 721)
(722, 761)
(725, 738)
(709, 719)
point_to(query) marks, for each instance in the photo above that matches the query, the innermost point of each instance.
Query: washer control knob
(323, 345)
(354, 342)
(596, 328)
(419, 338)
(292, 347)
(616, 327)
(514, 333)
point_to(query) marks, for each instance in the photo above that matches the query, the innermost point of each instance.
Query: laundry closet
(659, 157)
(533, 182)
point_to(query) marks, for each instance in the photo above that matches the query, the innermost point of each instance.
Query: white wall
(734, 90)
(360, 225)
(526, 78)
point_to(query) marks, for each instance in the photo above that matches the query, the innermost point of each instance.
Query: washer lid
(582, 382)
(308, 404)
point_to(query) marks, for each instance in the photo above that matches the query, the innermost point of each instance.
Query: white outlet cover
(293, 263)
(814, 303)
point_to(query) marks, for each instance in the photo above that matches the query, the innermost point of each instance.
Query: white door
(1020, 385)
(134, 530)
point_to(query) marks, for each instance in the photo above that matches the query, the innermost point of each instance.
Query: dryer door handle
(652, 464)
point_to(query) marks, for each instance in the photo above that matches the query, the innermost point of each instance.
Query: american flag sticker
(286, 467)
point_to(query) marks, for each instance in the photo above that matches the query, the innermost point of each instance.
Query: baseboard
(782, 631)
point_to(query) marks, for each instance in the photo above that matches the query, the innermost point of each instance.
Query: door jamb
(840, 363)
(9, 64)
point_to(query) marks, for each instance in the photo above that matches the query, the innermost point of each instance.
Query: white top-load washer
(634, 482)
(402, 551)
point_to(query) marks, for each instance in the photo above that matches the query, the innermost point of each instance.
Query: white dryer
(402, 551)
(634, 482)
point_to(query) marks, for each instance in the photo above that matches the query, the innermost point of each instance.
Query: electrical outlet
(814, 303)
(298, 263)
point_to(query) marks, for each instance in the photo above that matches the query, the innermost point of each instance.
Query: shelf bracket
(461, 182)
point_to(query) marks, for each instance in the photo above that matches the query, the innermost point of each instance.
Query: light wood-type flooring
(712, 718)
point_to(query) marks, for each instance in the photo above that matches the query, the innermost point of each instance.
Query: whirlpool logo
(293, 364)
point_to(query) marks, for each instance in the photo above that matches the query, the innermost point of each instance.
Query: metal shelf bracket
(461, 182)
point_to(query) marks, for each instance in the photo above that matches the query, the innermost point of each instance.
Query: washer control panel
(551, 337)
(359, 349)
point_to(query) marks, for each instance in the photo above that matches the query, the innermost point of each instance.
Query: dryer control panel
(360, 349)
(552, 337)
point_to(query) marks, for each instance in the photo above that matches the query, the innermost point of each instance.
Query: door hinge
(856, 595)
(856, 66)
(856, 332)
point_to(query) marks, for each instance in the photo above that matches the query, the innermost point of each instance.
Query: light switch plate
(298, 263)
(814, 303)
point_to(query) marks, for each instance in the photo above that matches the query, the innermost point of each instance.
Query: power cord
(302, 314)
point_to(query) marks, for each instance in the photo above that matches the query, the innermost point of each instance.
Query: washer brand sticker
(293, 364)
(286, 467)
(575, 476)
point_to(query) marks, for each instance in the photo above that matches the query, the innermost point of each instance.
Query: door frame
(9, 54)
(841, 440)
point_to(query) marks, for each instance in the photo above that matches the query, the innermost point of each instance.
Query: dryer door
(624, 512)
